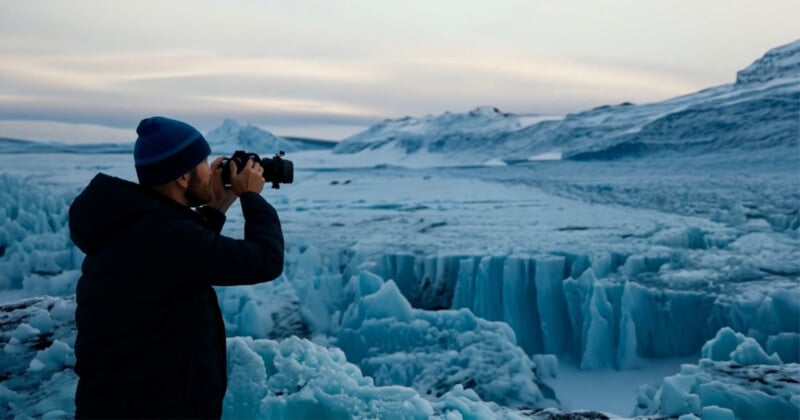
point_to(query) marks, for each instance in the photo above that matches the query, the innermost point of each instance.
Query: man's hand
(222, 198)
(249, 180)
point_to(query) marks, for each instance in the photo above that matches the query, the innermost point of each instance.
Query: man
(151, 339)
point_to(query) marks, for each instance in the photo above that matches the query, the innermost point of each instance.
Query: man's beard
(197, 192)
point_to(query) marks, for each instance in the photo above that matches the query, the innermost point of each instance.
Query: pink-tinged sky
(328, 68)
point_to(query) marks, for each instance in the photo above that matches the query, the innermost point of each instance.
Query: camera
(276, 169)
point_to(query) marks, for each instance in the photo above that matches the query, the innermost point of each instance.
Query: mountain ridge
(756, 112)
(229, 137)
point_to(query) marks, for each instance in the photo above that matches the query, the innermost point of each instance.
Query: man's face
(199, 190)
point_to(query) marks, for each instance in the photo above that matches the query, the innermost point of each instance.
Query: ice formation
(558, 305)
(290, 378)
(734, 379)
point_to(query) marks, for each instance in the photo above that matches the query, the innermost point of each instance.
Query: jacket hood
(108, 205)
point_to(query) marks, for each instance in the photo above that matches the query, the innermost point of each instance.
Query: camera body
(276, 169)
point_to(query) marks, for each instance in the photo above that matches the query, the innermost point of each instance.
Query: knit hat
(167, 149)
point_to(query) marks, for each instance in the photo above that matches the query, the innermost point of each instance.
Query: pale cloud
(560, 72)
(292, 106)
(102, 71)
(64, 132)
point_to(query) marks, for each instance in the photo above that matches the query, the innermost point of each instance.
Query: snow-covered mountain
(756, 115)
(225, 139)
(444, 133)
(777, 63)
(231, 136)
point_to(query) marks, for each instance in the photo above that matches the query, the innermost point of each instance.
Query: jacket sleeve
(201, 256)
(213, 218)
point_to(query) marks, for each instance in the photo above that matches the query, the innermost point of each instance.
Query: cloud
(64, 132)
(196, 81)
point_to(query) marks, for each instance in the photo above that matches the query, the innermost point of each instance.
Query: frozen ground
(655, 255)
(610, 390)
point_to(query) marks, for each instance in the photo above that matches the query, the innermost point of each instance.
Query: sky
(91, 70)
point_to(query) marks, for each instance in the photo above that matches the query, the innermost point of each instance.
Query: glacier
(431, 284)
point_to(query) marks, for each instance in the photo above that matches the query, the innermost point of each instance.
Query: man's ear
(183, 180)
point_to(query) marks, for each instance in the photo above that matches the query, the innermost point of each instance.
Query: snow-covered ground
(653, 260)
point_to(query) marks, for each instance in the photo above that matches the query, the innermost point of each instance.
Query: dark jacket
(151, 339)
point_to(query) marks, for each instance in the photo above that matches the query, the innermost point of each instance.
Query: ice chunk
(55, 357)
(721, 346)
(749, 352)
(41, 321)
(719, 388)
(295, 378)
(387, 302)
(677, 397)
(730, 345)
(36, 365)
(24, 332)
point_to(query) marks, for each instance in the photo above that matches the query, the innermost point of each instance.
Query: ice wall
(613, 310)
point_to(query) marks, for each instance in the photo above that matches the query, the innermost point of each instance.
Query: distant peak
(486, 110)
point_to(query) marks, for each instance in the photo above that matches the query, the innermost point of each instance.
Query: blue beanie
(167, 149)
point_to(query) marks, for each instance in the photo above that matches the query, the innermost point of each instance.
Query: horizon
(353, 64)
